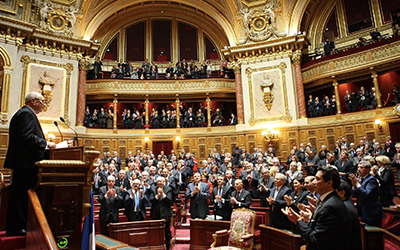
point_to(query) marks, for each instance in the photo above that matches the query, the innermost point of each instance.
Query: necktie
(180, 177)
(137, 201)
(219, 193)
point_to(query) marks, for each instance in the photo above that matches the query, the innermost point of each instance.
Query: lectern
(64, 183)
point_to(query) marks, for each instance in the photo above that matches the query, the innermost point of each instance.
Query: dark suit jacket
(301, 198)
(355, 237)
(161, 207)
(265, 194)
(347, 168)
(199, 201)
(130, 205)
(109, 205)
(330, 226)
(244, 198)
(226, 209)
(368, 204)
(231, 184)
(184, 178)
(277, 218)
(387, 189)
(125, 183)
(26, 142)
(254, 182)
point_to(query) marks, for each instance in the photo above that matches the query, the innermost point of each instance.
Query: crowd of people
(230, 180)
(181, 70)
(166, 117)
(360, 100)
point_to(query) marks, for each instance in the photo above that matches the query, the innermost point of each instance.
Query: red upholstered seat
(241, 231)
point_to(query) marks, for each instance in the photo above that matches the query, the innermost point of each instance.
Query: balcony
(158, 89)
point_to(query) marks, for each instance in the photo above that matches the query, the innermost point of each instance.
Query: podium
(63, 188)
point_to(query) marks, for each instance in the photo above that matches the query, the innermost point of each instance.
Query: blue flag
(88, 237)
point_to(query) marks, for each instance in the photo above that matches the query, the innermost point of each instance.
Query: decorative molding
(286, 116)
(26, 60)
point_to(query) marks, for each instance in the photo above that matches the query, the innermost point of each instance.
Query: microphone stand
(76, 134)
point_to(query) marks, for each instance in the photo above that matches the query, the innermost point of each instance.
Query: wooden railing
(39, 235)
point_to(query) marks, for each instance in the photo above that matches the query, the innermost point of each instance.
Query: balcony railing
(117, 86)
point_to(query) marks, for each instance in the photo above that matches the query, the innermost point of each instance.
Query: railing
(116, 86)
(379, 56)
(39, 234)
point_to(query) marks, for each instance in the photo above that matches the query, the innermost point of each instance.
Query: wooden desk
(147, 234)
(106, 243)
(276, 239)
(201, 232)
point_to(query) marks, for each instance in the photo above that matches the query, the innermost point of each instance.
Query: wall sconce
(270, 134)
(178, 141)
(379, 125)
(146, 140)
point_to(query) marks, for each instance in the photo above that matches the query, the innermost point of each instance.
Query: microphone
(56, 123)
(76, 134)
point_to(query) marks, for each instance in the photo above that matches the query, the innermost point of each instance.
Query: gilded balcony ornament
(260, 24)
(57, 19)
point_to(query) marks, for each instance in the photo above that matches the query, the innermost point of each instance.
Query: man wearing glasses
(26, 146)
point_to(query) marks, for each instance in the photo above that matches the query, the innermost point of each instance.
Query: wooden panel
(201, 232)
(276, 239)
(202, 152)
(202, 140)
(130, 143)
(251, 137)
(4, 141)
(217, 140)
(114, 144)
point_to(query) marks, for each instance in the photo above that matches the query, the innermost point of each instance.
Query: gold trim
(396, 109)
(286, 116)
(259, 20)
(26, 60)
(9, 6)
(6, 84)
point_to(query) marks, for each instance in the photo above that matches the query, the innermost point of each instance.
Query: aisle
(182, 240)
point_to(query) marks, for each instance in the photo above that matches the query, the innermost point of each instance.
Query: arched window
(111, 53)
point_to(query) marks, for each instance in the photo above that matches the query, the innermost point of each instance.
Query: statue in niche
(266, 86)
(47, 83)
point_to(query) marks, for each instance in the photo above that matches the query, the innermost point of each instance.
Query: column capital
(296, 57)
(237, 67)
(84, 64)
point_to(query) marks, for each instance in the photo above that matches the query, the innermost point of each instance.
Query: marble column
(335, 85)
(239, 94)
(374, 77)
(178, 119)
(81, 100)
(115, 111)
(208, 112)
(146, 105)
(296, 59)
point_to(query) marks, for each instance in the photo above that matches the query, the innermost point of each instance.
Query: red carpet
(181, 247)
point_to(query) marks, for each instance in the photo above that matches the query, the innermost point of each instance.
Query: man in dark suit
(250, 179)
(181, 177)
(277, 201)
(344, 192)
(117, 160)
(236, 155)
(330, 160)
(265, 184)
(220, 197)
(240, 197)
(26, 146)
(330, 225)
(135, 209)
(328, 47)
(366, 191)
(230, 180)
(198, 192)
(109, 198)
(161, 200)
(99, 180)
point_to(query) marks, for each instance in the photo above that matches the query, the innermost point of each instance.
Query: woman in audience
(298, 195)
(385, 176)
(293, 173)
(110, 119)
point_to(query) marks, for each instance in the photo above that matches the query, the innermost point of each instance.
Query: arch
(6, 57)
(113, 8)
(297, 16)
(317, 25)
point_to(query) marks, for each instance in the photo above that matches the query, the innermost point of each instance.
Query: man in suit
(250, 179)
(311, 163)
(230, 180)
(135, 209)
(221, 199)
(181, 177)
(330, 225)
(170, 182)
(26, 146)
(328, 47)
(198, 192)
(265, 184)
(161, 200)
(117, 160)
(98, 181)
(109, 198)
(329, 161)
(378, 150)
(236, 155)
(240, 197)
(366, 191)
(277, 201)
(344, 192)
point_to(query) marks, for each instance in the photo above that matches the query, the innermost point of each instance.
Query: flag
(88, 237)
